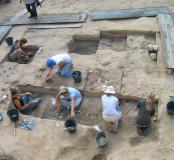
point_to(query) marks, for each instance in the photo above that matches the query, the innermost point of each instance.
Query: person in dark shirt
(145, 111)
(31, 7)
(24, 102)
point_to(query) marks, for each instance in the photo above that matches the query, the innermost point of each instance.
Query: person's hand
(48, 79)
(72, 114)
(47, 75)
(30, 103)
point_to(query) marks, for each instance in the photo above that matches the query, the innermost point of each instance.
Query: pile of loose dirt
(4, 156)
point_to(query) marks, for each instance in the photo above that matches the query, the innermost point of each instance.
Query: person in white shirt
(64, 64)
(31, 7)
(111, 112)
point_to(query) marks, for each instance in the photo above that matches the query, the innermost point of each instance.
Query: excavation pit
(99, 157)
(84, 45)
(27, 55)
(116, 42)
(90, 112)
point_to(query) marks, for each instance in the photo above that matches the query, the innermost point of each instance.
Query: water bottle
(53, 103)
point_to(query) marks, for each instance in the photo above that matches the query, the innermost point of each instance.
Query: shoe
(119, 121)
(35, 17)
(30, 16)
(37, 100)
(60, 115)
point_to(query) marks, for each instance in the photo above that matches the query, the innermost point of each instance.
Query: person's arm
(24, 94)
(72, 107)
(22, 108)
(62, 64)
(137, 107)
(58, 104)
(49, 72)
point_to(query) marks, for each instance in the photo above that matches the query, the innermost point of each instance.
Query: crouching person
(111, 112)
(143, 119)
(68, 98)
(24, 102)
(64, 65)
(18, 56)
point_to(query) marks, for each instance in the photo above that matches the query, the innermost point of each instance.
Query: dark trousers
(31, 8)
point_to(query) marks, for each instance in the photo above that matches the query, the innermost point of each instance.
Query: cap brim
(110, 92)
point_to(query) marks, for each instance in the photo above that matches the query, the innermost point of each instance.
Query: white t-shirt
(110, 103)
(61, 57)
(29, 1)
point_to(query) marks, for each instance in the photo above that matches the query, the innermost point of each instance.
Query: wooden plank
(4, 31)
(128, 13)
(55, 26)
(49, 19)
(167, 37)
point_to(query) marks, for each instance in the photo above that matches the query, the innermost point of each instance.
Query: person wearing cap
(111, 112)
(64, 64)
(68, 98)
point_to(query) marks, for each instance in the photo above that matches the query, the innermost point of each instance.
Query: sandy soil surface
(120, 59)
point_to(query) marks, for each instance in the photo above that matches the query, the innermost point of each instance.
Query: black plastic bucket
(101, 139)
(170, 107)
(13, 114)
(9, 41)
(77, 76)
(70, 125)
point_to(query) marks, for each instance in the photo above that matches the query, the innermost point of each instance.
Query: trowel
(96, 127)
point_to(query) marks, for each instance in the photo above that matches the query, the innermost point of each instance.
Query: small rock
(153, 56)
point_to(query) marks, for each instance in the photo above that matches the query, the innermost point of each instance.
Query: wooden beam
(49, 19)
(55, 26)
(128, 13)
(167, 38)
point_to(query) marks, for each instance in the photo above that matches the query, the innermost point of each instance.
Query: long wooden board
(128, 13)
(167, 38)
(50, 19)
(4, 31)
(55, 26)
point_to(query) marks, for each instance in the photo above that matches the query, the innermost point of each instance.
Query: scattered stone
(106, 63)
(153, 56)
(4, 156)
(135, 140)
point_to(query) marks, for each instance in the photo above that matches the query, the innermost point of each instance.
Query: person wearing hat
(64, 64)
(68, 98)
(110, 103)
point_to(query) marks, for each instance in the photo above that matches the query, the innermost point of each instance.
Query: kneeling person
(68, 98)
(64, 64)
(143, 119)
(111, 112)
